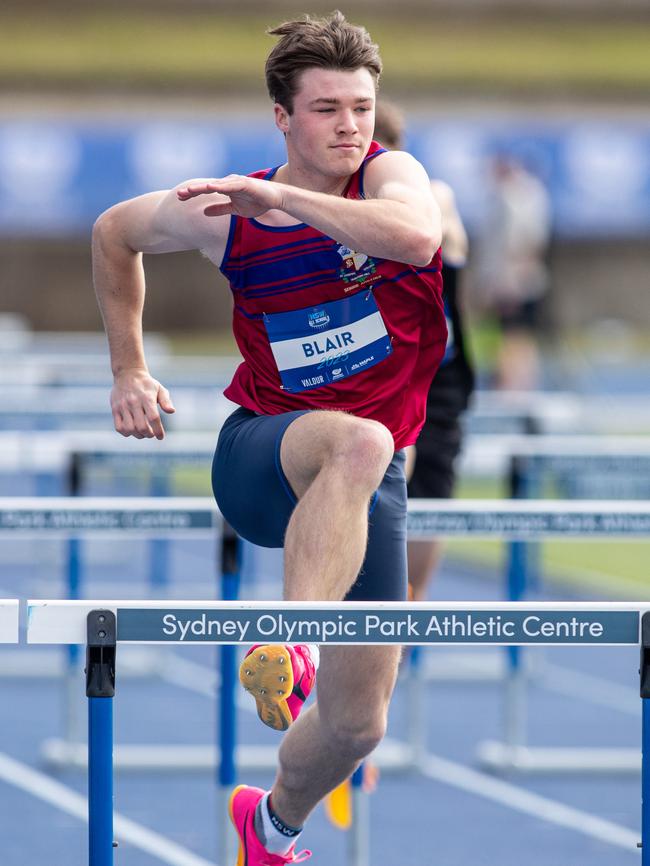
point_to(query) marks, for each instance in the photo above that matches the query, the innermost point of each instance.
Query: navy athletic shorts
(256, 498)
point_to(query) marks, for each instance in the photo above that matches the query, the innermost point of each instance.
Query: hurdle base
(390, 756)
(501, 759)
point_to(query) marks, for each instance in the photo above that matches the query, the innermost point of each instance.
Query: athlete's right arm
(154, 223)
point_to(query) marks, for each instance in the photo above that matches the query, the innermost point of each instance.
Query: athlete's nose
(347, 122)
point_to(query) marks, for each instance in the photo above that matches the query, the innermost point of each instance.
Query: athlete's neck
(304, 179)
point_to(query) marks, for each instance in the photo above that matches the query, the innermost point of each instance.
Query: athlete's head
(389, 125)
(317, 43)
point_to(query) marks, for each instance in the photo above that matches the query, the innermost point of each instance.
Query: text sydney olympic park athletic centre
(359, 626)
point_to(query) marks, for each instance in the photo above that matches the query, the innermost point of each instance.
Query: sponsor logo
(318, 319)
(363, 363)
(314, 380)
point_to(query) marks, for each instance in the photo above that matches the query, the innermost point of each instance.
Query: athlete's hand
(135, 398)
(248, 196)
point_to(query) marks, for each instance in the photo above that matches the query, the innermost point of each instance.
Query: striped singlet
(321, 326)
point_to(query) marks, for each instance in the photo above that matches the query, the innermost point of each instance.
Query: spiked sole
(267, 675)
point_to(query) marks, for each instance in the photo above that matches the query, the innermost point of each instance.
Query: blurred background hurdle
(532, 466)
(115, 520)
(519, 522)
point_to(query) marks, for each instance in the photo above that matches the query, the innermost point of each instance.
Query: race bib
(320, 345)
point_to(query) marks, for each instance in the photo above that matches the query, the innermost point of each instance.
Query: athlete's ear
(281, 118)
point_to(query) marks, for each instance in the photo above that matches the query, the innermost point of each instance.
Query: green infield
(118, 49)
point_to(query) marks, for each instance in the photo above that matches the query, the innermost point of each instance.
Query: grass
(113, 48)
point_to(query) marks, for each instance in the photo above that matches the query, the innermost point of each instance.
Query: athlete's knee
(355, 737)
(363, 451)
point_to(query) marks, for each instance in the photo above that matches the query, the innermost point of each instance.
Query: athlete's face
(333, 118)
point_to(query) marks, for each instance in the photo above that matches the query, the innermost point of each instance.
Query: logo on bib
(318, 319)
(358, 268)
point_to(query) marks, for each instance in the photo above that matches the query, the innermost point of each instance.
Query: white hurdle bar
(519, 520)
(105, 623)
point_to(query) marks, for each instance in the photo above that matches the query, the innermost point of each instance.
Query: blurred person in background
(512, 274)
(430, 467)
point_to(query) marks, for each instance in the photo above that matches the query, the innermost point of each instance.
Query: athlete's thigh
(251, 490)
(384, 574)
(313, 438)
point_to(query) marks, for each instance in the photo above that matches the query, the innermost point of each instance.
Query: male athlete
(334, 267)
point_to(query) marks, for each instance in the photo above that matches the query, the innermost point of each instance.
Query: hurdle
(557, 412)
(68, 518)
(61, 368)
(602, 468)
(88, 409)
(103, 624)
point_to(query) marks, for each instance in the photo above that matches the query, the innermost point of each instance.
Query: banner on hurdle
(508, 519)
(528, 519)
(8, 620)
(67, 516)
(353, 623)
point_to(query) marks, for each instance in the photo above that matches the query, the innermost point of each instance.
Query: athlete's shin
(326, 744)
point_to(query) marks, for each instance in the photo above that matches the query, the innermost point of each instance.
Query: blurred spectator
(431, 464)
(511, 268)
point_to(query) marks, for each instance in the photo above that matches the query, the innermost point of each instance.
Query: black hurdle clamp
(100, 654)
(644, 670)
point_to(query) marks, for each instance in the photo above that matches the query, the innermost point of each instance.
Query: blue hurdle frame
(100, 691)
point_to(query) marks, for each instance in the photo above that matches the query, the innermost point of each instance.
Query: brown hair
(327, 43)
(389, 125)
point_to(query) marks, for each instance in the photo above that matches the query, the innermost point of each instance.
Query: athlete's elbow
(104, 227)
(423, 248)
(109, 232)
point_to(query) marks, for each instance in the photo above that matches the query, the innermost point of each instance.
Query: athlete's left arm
(399, 219)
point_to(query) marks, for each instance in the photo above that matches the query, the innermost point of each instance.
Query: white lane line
(522, 800)
(590, 688)
(67, 800)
